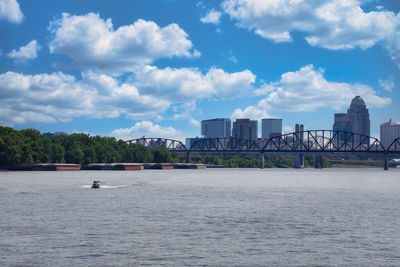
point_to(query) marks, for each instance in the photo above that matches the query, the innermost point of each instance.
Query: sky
(156, 68)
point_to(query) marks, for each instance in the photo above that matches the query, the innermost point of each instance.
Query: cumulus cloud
(392, 44)
(332, 24)
(213, 16)
(194, 122)
(149, 93)
(9, 10)
(92, 42)
(147, 129)
(308, 90)
(187, 83)
(251, 112)
(57, 96)
(387, 85)
(25, 53)
(184, 112)
(263, 89)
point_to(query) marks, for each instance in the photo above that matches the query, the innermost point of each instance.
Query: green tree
(89, 155)
(75, 155)
(161, 154)
(57, 153)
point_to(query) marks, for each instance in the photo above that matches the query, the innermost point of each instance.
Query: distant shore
(166, 166)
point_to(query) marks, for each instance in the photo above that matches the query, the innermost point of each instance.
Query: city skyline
(160, 67)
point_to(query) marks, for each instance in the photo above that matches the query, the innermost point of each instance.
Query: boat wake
(104, 186)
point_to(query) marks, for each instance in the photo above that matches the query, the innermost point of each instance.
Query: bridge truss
(302, 142)
(170, 144)
(306, 141)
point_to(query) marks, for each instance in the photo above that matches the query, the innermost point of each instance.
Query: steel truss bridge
(303, 142)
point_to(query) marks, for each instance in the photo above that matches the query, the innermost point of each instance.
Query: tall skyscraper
(271, 128)
(356, 120)
(216, 128)
(245, 129)
(389, 132)
(359, 116)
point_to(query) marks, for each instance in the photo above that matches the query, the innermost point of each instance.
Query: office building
(216, 128)
(271, 128)
(356, 120)
(389, 132)
(190, 141)
(245, 129)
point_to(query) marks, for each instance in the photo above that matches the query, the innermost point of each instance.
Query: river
(226, 217)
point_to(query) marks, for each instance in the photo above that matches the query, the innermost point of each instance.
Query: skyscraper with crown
(356, 120)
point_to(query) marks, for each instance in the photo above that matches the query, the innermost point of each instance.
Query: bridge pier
(298, 139)
(187, 156)
(386, 163)
(299, 160)
(319, 161)
(262, 160)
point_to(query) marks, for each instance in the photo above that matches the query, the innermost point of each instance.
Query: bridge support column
(299, 137)
(299, 160)
(386, 163)
(319, 161)
(187, 156)
(262, 160)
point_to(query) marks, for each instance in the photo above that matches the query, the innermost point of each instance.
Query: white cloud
(233, 59)
(147, 129)
(188, 84)
(62, 97)
(264, 89)
(308, 90)
(213, 16)
(57, 96)
(392, 44)
(9, 10)
(92, 42)
(184, 112)
(201, 5)
(288, 129)
(10, 116)
(194, 122)
(251, 112)
(332, 24)
(387, 85)
(25, 53)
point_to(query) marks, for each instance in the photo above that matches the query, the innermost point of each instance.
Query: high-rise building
(389, 132)
(341, 122)
(190, 141)
(216, 128)
(359, 116)
(271, 128)
(356, 120)
(245, 129)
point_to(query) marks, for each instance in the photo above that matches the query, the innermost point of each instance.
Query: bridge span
(315, 142)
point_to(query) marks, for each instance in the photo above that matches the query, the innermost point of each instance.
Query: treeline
(29, 146)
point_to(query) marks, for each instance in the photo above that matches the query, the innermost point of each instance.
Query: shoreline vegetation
(29, 146)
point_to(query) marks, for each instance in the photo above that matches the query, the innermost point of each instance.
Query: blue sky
(158, 67)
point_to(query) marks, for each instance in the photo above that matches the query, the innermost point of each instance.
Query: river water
(213, 217)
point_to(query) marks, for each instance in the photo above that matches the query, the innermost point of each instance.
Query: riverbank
(104, 167)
